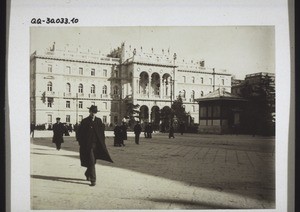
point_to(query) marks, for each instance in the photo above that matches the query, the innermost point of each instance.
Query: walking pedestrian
(171, 132)
(137, 131)
(91, 139)
(124, 133)
(58, 132)
(118, 135)
(32, 128)
(181, 128)
(149, 131)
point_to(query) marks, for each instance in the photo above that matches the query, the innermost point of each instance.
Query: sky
(240, 50)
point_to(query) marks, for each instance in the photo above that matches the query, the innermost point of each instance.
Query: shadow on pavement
(61, 179)
(148, 158)
(202, 205)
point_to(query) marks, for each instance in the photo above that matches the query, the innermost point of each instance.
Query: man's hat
(57, 118)
(93, 109)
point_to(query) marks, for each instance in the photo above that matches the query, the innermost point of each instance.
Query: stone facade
(65, 81)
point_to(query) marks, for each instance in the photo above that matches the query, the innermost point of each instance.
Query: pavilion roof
(220, 94)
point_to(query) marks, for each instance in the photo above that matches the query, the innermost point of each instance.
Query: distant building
(66, 80)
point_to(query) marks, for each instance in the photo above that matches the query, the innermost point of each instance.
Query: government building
(66, 80)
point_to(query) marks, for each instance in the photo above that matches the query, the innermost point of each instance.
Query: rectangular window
(80, 105)
(193, 79)
(209, 111)
(201, 80)
(49, 68)
(67, 104)
(68, 69)
(223, 81)
(203, 112)
(104, 119)
(80, 71)
(104, 72)
(50, 101)
(92, 72)
(105, 105)
(49, 118)
(68, 118)
(216, 111)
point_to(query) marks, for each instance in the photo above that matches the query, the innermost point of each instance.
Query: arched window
(201, 93)
(49, 86)
(93, 88)
(104, 89)
(68, 88)
(201, 80)
(80, 88)
(183, 94)
(193, 95)
(193, 79)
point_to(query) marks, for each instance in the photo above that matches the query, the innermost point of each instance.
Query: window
(67, 104)
(104, 89)
(116, 90)
(216, 111)
(49, 68)
(68, 68)
(116, 73)
(92, 72)
(223, 81)
(193, 79)
(49, 118)
(183, 94)
(80, 88)
(80, 105)
(68, 117)
(68, 88)
(49, 86)
(104, 72)
(104, 119)
(193, 95)
(201, 93)
(105, 105)
(203, 112)
(93, 88)
(80, 71)
(201, 80)
(183, 78)
(49, 101)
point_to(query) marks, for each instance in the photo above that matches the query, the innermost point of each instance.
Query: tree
(179, 110)
(259, 112)
(131, 111)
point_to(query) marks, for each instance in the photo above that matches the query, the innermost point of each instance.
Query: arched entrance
(144, 114)
(155, 117)
(155, 84)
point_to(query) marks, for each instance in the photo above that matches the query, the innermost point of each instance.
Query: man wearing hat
(58, 131)
(91, 139)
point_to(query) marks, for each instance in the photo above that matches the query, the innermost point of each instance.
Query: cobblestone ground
(189, 172)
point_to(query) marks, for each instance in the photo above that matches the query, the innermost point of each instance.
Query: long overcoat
(58, 132)
(85, 141)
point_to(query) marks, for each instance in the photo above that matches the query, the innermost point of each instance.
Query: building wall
(178, 76)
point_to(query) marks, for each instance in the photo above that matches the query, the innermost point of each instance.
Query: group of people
(120, 132)
(148, 130)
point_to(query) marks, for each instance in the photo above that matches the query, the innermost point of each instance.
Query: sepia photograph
(152, 117)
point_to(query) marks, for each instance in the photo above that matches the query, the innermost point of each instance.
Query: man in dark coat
(32, 128)
(91, 139)
(124, 133)
(118, 135)
(171, 132)
(149, 131)
(137, 131)
(58, 132)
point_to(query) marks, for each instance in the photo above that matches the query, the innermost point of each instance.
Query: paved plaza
(192, 171)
